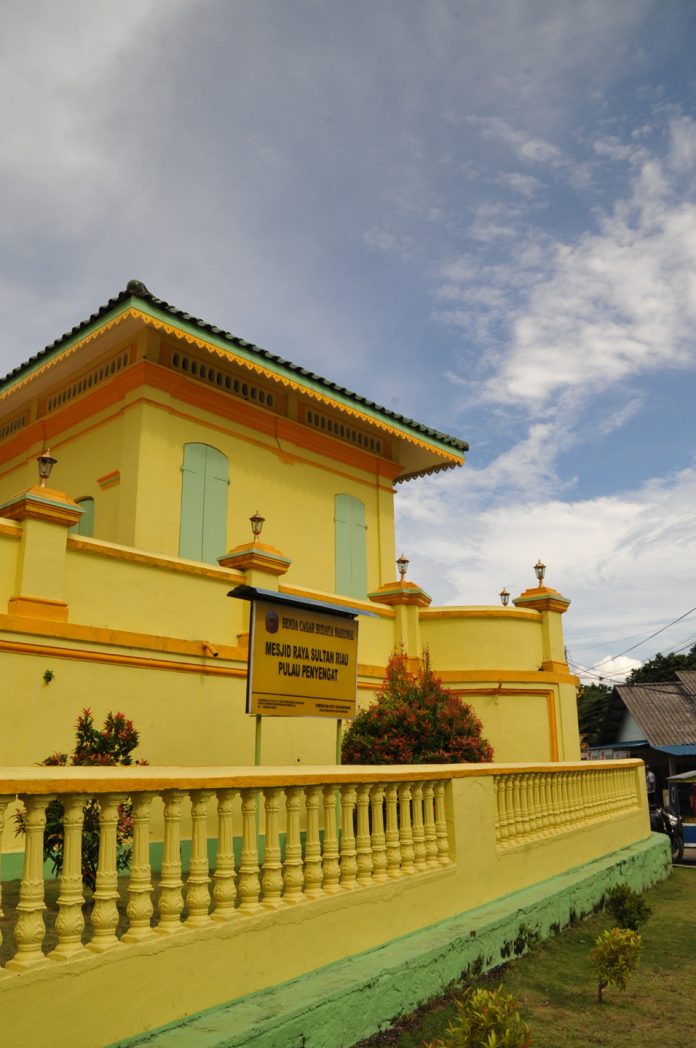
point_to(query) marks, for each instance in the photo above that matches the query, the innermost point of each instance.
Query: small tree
(112, 745)
(415, 720)
(486, 1018)
(615, 957)
(628, 908)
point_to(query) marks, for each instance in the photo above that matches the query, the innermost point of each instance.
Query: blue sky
(482, 214)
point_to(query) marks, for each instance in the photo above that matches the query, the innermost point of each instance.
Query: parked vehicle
(682, 801)
(664, 820)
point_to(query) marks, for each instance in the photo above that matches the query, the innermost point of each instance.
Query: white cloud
(526, 147)
(621, 559)
(617, 303)
(525, 185)
(608, 670)
(613, 148)
(63, 76)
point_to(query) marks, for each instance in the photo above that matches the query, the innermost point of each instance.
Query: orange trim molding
(521, 676)
(80, 655)
(117, 638)
(289, 383)
(12, 531)
(28, 607)
(480, 613)
(109, 480)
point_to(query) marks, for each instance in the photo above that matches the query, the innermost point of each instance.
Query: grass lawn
(557, 994)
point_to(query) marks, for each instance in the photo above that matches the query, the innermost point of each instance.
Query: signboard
(302, 662)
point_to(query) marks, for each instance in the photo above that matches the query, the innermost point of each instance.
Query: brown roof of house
(665, 712)
(688, 679)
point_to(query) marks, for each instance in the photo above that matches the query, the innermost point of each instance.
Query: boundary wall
(369, 855)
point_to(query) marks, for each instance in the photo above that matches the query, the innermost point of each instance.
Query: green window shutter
(214, 538)
(351, 554)
(203, 527)
(85, 525)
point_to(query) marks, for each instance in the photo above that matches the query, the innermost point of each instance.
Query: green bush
(112, 745)
(628, 908)
(415, 720)
(615, 957)
(486, 1019)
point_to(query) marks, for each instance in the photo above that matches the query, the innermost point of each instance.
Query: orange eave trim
(209, 347)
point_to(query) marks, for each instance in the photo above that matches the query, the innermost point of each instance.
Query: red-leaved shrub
(415, 720)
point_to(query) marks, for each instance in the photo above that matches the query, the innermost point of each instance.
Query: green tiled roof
(158, 307)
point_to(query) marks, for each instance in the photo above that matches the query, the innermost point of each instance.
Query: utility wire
(593, 644)
(666, 686)
(655, 634)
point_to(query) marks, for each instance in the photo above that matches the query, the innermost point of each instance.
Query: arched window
(85, 525)
(203, 529)
(351, 557)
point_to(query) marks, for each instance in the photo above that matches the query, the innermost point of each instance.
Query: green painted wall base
(343, 1003)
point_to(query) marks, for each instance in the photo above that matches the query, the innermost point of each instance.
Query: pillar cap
(37, 503)
(542, 598)
(396, 594)
(256, 556)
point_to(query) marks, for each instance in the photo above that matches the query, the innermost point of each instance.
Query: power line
(683, 647)
(666, 686)
(646, 639)
(593, 644)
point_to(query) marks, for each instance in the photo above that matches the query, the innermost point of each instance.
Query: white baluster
(429, 825)
(418, 827)
(30, 930)
(405, 830)
(313, 871)
(69, 922)
(331, 867)
(363, 843)
(379, 848)
(392, 832)
(105, 912)
(349, 865)
(4, 801)
(272, 869)
(443, 856)
(224, 890)
(171, 898)
(198, 887)
(293, 873)
(249, 886)
(140, 908)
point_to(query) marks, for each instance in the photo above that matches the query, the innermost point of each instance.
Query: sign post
(302, 662)
(303, 659)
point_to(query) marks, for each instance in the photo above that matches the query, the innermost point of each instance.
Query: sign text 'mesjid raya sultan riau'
(301, 662)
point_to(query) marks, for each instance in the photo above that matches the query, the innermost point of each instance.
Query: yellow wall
(137, 616)
(143, 438)
(134, 640)
(285, 943)
(470, 637)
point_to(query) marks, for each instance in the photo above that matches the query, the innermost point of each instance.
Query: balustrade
(315, 839)
(534, 805)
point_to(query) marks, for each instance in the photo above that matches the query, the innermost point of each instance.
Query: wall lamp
(46, 463)
(257, 522)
